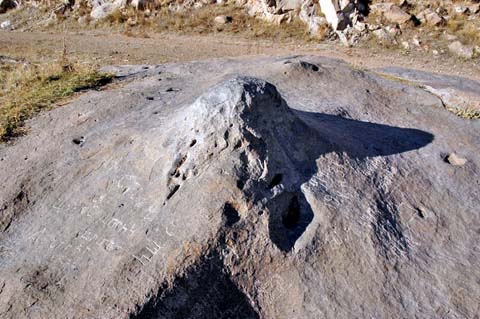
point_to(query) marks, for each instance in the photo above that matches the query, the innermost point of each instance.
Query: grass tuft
(28, 89)
(469, 114)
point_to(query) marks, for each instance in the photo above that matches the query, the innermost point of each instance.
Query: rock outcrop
(291, 187)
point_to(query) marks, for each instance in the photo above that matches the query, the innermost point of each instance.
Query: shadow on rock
(290, 213)
(205, 291)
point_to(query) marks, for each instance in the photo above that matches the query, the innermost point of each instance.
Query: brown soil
(107, 47)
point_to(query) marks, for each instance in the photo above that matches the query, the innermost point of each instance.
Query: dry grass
(201, 21)
(468, 31)
(469, 114)
(26, 89)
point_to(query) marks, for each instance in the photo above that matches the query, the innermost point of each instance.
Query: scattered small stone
(360, 26)
(5, 24)
(223, 19)
(474, 8)
(132, 22)
(461, 9)
(393, 31)
(83, 21)
(455, 160)
(405, 45)
(417, 41)
(451, 37)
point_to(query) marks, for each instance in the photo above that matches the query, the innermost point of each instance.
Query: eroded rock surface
(291, 187)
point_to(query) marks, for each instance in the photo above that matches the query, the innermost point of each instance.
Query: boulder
(434, 19)
(461, 50)
(396, 15)
(267, 187)
(383, 36)
(141, 4)
(222, 19)
(289, 5)
(455, 159)
(102, 9)
(461, 9)
(334, 15)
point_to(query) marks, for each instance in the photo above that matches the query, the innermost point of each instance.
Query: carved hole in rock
(237, 145)
(277, 179)
(78, 140)
(309, 66)
(173, 191)
(179, 164)
(203, 291)
(231, 214)
(420, 212)
(291, 216)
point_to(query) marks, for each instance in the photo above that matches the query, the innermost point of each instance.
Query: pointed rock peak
(250, 100)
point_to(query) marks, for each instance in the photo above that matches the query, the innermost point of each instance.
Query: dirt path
(115, 48)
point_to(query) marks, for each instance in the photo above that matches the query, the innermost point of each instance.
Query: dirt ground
(107, 47)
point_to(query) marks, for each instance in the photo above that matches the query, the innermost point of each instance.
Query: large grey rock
(289, 187)
(456, 92)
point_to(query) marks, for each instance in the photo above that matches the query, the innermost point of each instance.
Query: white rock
(455, 160)
(103, 10)
(5, 24)
(417, 41)
(360, 26)
(464, 51)
(474, 8)
(383, 36)
(329, 9)
(405, 45)
(451, 37)
(288, 5)
(223, 19)
(461, 9)
(83, 20)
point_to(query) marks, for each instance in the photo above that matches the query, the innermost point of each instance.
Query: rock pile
(348, 20)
